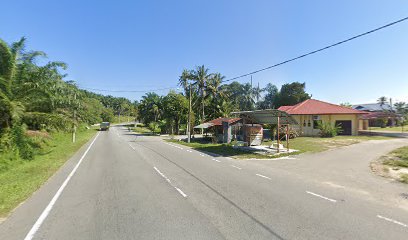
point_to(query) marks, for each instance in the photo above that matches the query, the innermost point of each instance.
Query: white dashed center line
(259, 175)
(236, 167)
(392, 220)
(168, 180)
(320, 196)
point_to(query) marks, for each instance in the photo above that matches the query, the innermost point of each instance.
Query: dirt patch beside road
(393, 165)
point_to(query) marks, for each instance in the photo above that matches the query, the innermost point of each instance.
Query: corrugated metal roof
(373, 107)
(268, 116)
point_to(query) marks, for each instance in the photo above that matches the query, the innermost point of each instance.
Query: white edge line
(259, 175)
(320, 196)
(181, 192)
(168, 180)
(236, 167)
(392, 220)
(48, 209)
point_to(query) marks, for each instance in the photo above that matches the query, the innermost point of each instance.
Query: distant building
(310, 113)
(380, 115)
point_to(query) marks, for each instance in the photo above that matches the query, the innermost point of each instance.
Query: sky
(145, 44)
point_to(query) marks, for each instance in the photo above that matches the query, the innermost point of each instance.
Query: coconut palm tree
(382, 100)
(201, 76)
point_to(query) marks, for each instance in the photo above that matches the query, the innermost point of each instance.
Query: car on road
(104, 126)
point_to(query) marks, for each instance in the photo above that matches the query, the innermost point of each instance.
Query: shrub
(47, 121)
(22, 142)
(329, 130)
(154, 127)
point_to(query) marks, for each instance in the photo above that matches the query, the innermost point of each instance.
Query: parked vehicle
(104, 126)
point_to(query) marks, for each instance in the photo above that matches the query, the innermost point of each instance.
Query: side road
(346, 169)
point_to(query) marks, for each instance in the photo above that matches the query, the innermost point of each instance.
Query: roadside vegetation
(39, 112)
(393, 165)
(302, 144)
(393, 129)
(318, 144)
(226, 150)
(20, 178)
(211, 98)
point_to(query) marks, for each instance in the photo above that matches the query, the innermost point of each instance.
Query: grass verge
(22, 178)
(393, 129)
(318, 144)
(227, 150)
(397, 158)
(393, 165)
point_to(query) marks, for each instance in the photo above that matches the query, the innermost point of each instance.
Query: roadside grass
(318, 144)
(227, 150)
(302, 144)
(142, 130)
(397, 158)
(404, 178)
(393, 129)
(22, 178)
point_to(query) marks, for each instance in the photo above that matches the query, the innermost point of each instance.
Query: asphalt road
(139, 187)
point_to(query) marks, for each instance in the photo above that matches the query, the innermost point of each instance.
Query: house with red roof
(311, 112)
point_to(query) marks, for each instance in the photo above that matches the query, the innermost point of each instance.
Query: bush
(329, 130)
(22, 142)
(47, 121)
(154, 127)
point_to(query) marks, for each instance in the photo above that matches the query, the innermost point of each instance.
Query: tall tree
(270, 98)
(291, 94)
(382, 100)
(201, 76)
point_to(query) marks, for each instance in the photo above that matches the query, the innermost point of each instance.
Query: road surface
(126, 186)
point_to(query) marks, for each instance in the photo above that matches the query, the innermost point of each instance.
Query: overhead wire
(275, 65)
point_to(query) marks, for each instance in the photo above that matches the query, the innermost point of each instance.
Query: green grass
(302, 144)
(22, 178)
(404, 178)
(318, 144)
(397, 158)
(140, 129)
(226, 150)
(393, 129)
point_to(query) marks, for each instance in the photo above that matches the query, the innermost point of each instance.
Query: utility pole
(189, 117)
(74, 122)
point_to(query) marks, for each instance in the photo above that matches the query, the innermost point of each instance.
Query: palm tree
(10, 110)
(200, 76)
(382, 100)
(183, 80)
(247, 101)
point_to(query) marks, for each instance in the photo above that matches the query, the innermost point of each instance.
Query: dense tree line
(37, 97)
(211, 98)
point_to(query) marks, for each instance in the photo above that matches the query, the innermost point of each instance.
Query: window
(304, 123)
(316, 124)
(308, 123)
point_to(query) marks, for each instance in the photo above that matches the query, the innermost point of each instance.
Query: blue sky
(142, 45)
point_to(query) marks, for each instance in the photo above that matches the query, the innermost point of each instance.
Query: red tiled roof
(316, 107)
(218, 121)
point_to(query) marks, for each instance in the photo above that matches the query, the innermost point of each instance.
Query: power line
(319, 50)
(278, 64)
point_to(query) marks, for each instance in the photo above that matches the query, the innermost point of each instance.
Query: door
(345, 126)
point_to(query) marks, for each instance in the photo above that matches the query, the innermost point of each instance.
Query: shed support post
(278, 132)
(287, 137)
